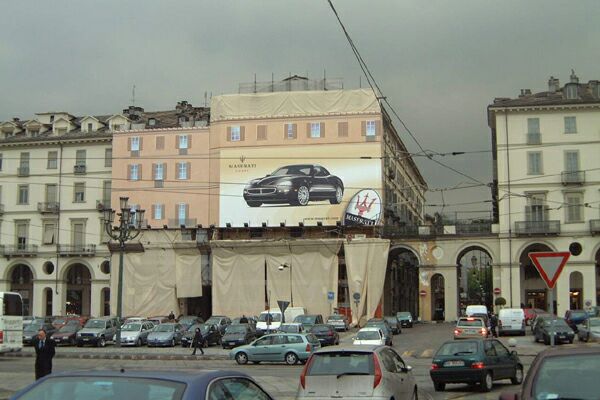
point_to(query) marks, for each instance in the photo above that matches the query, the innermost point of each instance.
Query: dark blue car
(144, 385)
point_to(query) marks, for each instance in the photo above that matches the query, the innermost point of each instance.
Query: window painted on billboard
(315, 130)
(293, 170)
(183, 142)
(182, 172)
(371, 128)
(135, 143)
(235, 134)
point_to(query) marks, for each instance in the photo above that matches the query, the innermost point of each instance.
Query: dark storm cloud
(439, 62)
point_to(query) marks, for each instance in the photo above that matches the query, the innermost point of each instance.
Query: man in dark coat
(243, 320)
(494, 324)
(44, 352)
(198, 341)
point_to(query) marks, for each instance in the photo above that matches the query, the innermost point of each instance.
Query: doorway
(438, 298)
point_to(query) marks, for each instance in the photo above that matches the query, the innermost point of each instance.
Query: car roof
(364, 348)
(369, 328)
(177, 376)
(567, 352)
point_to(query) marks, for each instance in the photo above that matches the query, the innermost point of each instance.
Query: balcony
(102, 205)
(595, 226)
(573, 177)
(20, 250)
(473, 227)
(392, 232)
(534, 138)
(533, 228)
(50, 207)
(188, 222)
(78, 250)
(79, 169)
(23, 171)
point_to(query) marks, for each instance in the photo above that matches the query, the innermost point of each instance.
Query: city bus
(11, 322)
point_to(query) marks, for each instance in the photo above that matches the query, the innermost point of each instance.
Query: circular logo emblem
(363, 209)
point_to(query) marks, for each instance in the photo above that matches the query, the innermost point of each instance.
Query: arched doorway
(21, 281)
(401, 288)
(534, 292)
(575, 291)
(79, 289)
(438, 298)
(475, 278)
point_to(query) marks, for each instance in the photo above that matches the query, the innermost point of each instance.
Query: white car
(352, 372)
(369, 336)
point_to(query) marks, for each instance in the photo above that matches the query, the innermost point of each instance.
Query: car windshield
(213, 321)
(377, 324)
(105, 387)
(95, 324)
(392, 320)
(131, 327)
(457, 348)
(340, 363)
(320, 329)
(236, 329)
(335, 318)
(293, 170)
(59, 321)
(578, 314)
(368, 335)
(470, 322)
(192, 329)
(558, 323)
(69, 328)
(289, 328)
(164, 328)
(273, 317)
(403, 315)
(567, 377)
(594, 321)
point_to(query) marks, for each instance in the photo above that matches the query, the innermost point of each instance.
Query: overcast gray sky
(439, 62)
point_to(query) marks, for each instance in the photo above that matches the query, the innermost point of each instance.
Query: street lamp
(130, 225)
(289, 266)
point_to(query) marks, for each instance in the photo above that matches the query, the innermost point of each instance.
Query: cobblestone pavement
(416, 346)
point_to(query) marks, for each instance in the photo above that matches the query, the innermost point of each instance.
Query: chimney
(574, 78)
(553, 84)
(525, 92)
(16, 119)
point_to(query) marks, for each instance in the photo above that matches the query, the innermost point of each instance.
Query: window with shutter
(533, 125)
(49, 233)
(342, 129)
(315, 130)
(570, 125)
(135, 143)
(235, 134)
(371, 128)
(534, 163)
(261, 132)
(160, 143)
(574, 209)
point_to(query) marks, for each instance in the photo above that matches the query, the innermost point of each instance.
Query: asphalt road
(416, 346)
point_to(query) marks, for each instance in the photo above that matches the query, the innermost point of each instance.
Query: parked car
(97, 332)
(188, 320)
(251, 321)
(575, 317)
(67, 334)
(144, 385)
(548, 326)
(326, 334)
(339, 322)
(357, 372)
(293, 327)
(530, 314)
(277, 347)
(590, 330)
(559, 373)
(470, 328)
(385, 328)
(476, 309)
(511, 320)
(220, 321)
(237, 335)
(167, 334)
(59, 322)
(30, 331)
(369, 336)
(405, 318)
(134, 319)
(159, 320)
(210, 333)
(136, 333)
(308, 320)
(539, 317)
(394, 323)
(295, 185)
(472, 361)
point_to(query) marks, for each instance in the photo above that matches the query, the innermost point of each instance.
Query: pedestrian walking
(494, 324)
(44, 352)
(198, 342)
(171, 316)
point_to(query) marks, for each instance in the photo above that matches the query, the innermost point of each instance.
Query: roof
(350, 348)
(177, 376)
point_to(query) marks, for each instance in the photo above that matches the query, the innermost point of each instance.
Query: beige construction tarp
(188, 272)
(293, 103)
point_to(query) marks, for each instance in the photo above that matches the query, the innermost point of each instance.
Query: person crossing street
(198, 341)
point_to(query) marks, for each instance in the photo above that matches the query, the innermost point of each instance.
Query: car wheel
(487, 382)
(138, 343)
(339, 195)
(101, 342)
(172, 342)
(518, 378)
(241, 358)
(291, 358)
(302, 196)
(254, 203)
(439, 386)
(72, 341)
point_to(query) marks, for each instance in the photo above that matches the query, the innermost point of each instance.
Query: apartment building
(55, 174)
(547, 190)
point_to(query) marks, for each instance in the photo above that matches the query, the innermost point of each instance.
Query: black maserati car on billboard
(295, 185)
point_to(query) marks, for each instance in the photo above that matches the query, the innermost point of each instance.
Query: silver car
(589, 331)
(168, 334)
(375, 372)
(136, 333)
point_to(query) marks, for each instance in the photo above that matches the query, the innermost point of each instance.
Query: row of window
(537, 209)
(51, 193)
(159, 171)
(535, 164)
(182, 143)
(52, 159)
(49, 233)
(533, 125)
(182, 211)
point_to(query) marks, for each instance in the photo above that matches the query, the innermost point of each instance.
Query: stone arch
(538, 243)
(65, 268)
(474, 276)
(438, 297)
(534, 292)
(12, 265)
(20, 279)
(398, 247)
(576, 294)
(401, 287)
(485, 247)
(77, 277)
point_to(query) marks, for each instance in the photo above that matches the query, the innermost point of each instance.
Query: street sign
(423, 293)
(497, 290)
(356, 296)
(549, 264)
(283, 305)
(330, 296)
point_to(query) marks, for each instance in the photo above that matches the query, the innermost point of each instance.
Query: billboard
(301, 184)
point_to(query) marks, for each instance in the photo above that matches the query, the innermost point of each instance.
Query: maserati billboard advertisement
(307, 184)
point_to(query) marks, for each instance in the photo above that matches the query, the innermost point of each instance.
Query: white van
(269, 320)
(476, 309)
(293, 312)
(511, 320)
(11, 322)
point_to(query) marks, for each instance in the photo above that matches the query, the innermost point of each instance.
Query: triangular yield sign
(550, 264)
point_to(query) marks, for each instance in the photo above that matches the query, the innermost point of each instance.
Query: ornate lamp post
(129, 228)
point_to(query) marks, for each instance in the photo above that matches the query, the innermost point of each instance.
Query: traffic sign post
(356, 297)
(550, 264)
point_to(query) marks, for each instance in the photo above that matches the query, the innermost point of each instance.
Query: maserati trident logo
(242, 165)
(364, 208)
(242, 158)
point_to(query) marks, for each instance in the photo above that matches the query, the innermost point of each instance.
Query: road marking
(427, 353)
(408, 353)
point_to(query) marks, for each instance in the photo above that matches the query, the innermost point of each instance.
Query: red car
(531, 313)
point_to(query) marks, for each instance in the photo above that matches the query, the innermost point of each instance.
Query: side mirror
(407, 369)
(513, 353)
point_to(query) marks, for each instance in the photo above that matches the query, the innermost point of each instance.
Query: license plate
(470, 331)
(454, 364)
(232, 343)
(86, 339)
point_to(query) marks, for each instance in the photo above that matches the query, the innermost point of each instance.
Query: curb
(114, 356)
